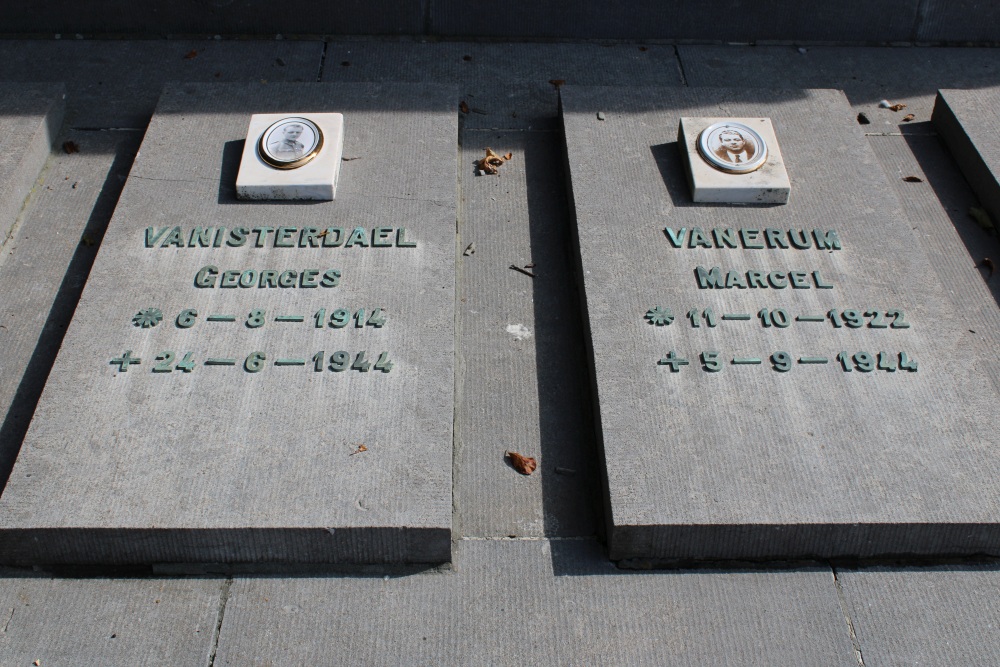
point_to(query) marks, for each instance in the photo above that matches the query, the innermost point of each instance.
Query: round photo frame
(290, 143)
(732, 147)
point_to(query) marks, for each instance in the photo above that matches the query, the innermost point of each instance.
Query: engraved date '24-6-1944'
(256, 361)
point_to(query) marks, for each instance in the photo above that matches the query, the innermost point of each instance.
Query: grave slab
(188, 419)
(772, 418)
(968, 124)
(30, 117)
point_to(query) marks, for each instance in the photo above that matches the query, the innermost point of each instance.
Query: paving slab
(517, 602)
(30, 118)
(55, 622)
(902, 75)
(941, 615)
(504, 85)
(254, 455)
(712, 21)
(117, 83)
(522, 382)
(937, 207)
(45, 264)
(802, 437)
(967, 124)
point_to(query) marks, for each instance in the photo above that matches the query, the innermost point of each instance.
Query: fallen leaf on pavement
(463, 107)
(190, 54)
(908, 117)
(70, 147)
(523, 464)
(490, 163)
(361, 448)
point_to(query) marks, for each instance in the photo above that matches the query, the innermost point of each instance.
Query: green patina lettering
(777, 280)
(238, 237)
(331, 278)
(152, 236)
(698, 238)
(206, 276)
(287, 278)
(230, 279)
(283, 237)
(174, 239)
(735, 279)
(358, 237)
(262, 233)
(820, 283)
(676, 238)
(756, 278)
(799, 279)
(309, 237)
(774, 238)
(268, 278)
(381, 237)
(334, 237)
(401, 241)
(709, 279)
(308, 278)
(827, 241)
(751, 238)
(727, 237)
(799, 238)
(200, 237)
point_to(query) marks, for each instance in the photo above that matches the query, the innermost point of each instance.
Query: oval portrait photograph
(732, 147)
(290, 142)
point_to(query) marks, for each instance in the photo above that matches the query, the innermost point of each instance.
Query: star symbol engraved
(147, 318)
(659, 316)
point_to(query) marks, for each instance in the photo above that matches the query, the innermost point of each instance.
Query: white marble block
(767, 184)
(291, 142)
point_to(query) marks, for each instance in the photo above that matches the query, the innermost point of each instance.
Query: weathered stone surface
(538, 602)
(750, 462)
(257, 461)
(968, 121)
(44, 266)
(942, 615)
(141, 622)
(30, 116)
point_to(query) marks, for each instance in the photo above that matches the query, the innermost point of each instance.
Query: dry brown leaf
(523, 464)
(913, 179)
(70, 147)
(463, 107)
(491, 163)
(557, 82)
(361, 448)
(190, 54)
(897, 107)
(908, 117)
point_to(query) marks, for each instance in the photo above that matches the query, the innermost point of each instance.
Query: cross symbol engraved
(673, 361)
(125, 361)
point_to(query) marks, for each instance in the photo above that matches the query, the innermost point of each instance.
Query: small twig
(524, 271)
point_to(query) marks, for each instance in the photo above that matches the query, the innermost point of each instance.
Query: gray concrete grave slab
(748, 461)
(45, 264)
(941, 615)
(506, 86)
(257, 461)
(116, 83)
(30, 117)
(968, 122)
(541, 602)
(66, 622)
(909, 76)
(522, 383)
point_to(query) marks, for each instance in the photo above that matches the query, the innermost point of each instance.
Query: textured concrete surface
(718, 620)
(44, 266)
(30, 119)
(943, 615)
(117, 83)
(542, 603)
(225, 464)
(522, 383)
(747, 462)
(497, 93)
(66, 622)
(967, 121)
(909, 76)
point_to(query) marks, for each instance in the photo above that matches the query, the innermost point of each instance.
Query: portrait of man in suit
(734, 147)
(288, 146)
